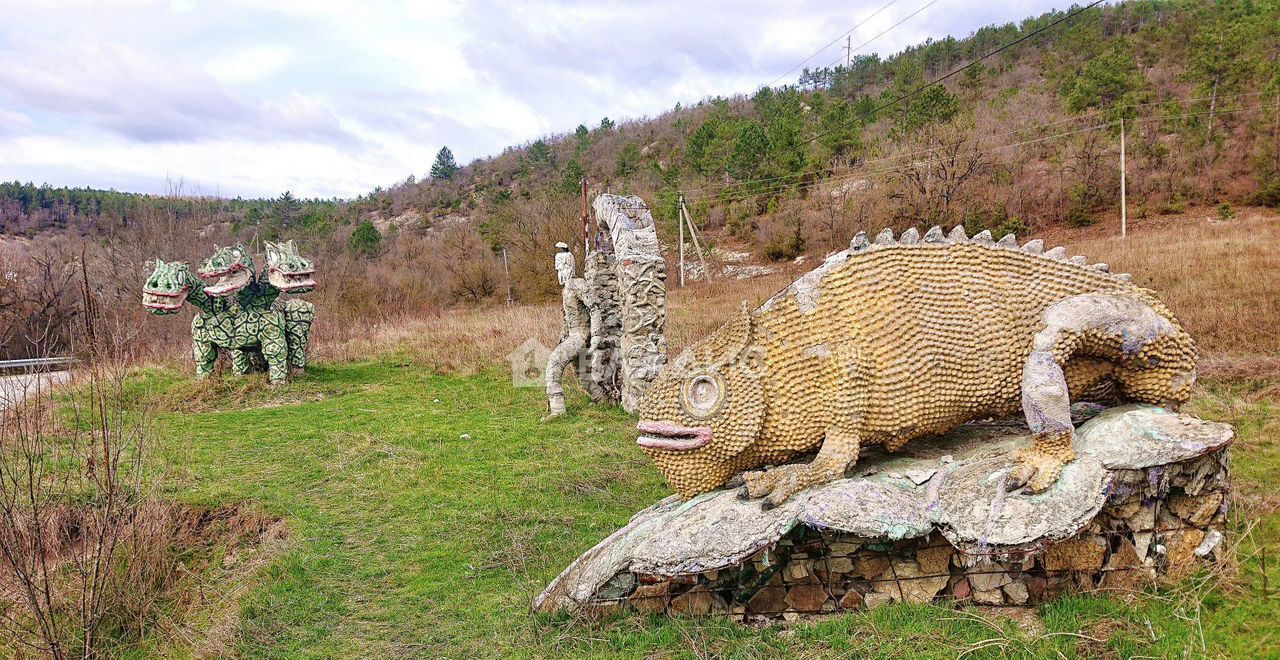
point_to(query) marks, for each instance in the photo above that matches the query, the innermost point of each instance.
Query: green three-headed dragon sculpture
(240, 309)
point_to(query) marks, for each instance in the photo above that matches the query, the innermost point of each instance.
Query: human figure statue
(564, 263)
(582, 323)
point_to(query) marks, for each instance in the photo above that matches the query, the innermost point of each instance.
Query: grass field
(425, 511)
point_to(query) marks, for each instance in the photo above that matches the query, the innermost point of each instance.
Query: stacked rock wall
(604, 372)
(1146, 498)
(1158, 522)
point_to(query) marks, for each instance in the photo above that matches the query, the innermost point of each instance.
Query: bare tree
(933, 185)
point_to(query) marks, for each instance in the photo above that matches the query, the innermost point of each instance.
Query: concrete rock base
(1146, 497)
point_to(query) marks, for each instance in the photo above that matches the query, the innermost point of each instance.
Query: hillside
(1024, 141)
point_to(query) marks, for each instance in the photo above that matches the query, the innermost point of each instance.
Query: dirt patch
(1095, 637)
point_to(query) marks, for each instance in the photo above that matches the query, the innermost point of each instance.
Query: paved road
(15, 388)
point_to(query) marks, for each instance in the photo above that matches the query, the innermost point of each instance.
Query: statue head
(166, 289)
(230, 268)
(287, 270)
(705, 409)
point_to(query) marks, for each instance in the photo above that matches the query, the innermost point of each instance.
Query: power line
(936, 81)
(886, 31)
(1092, 112)
(862, 172)
(975, 62)
(833, 42)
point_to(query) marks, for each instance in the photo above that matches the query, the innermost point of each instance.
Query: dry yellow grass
(1222, 279)
(470, 339)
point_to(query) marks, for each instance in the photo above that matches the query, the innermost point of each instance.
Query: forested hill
(1026, 138)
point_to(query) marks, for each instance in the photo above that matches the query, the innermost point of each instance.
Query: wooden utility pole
(507, 271)
(848, 51)
(1124, 207)
(586, 232)
(693, 232)
(680, 222)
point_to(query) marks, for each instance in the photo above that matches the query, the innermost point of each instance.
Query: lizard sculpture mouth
(672, 437)
(229, 281)
(164, 301)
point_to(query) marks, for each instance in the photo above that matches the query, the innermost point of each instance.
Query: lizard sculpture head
(287, 270)
(167, 287)
(705, 409)
(230, 268)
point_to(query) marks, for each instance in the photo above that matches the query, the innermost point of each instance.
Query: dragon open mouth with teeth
(240, 310)
(167, 288)
(287, 270)
(229, 270)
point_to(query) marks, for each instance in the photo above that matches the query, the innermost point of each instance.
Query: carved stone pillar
(641, 281)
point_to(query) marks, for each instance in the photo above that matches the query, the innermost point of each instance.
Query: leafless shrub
(76, 556)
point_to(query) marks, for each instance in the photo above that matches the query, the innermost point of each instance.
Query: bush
(1080, 212)
(1268, 194)
(785, 245)
(1174, 206)
(365, 240)
(1225, 212)
(741, 221)
(996, 219)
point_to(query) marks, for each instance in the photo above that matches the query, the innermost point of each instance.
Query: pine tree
(572, 176)
(445, 166)
(540, 152)
(365, 240)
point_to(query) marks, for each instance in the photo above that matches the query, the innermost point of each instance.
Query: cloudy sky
(333, 97)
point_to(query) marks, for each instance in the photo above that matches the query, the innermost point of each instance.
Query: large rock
(893, 510)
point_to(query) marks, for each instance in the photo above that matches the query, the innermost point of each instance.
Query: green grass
(409, 539)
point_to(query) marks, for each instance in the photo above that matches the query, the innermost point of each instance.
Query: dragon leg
(298, 316)
(206, 356)
(274, 347)
(848, 372)
(1047, 405)
(241, 361)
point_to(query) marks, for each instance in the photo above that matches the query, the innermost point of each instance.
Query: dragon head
(705, 409)
(167, 287)
(230, 268)
(287, 270)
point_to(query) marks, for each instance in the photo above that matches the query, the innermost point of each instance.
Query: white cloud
(251, 64)
(334, 97)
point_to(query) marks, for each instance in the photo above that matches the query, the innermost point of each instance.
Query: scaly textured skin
(240, 312)
(904, 338)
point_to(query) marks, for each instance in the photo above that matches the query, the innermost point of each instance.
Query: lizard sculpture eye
(703, 395)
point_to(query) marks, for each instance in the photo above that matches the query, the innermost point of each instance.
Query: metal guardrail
(35, 363)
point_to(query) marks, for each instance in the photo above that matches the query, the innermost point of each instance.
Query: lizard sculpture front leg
(841, 442)
(777, 484)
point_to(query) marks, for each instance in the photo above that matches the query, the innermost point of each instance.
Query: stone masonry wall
(1161, 521)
